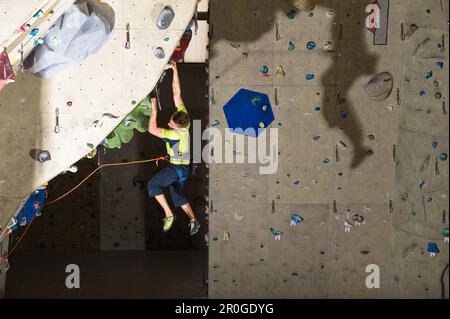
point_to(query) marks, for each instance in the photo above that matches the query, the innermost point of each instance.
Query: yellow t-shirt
(178, 142)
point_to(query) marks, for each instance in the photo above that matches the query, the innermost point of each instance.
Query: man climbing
(174, 176)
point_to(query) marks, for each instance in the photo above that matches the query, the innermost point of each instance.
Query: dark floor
(126, 274)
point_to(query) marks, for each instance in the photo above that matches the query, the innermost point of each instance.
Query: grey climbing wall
(337, 166)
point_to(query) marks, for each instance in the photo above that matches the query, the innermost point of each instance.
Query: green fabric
(136, 120)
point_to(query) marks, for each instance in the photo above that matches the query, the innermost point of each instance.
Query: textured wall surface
(349, 170)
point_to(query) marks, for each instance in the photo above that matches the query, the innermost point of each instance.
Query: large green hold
(136, 120)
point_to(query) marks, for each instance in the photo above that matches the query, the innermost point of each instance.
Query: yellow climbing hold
(261, 125)
(264, 107)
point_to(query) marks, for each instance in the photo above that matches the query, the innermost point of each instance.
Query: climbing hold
(305, 5)
(331, 13)
(343, 114)
(422, 93)
(291, 14)
(165, 18)
(226, 235)
(433, 249)
(436, 83)
(429, 74)
(358, 219)
(264, 70)
(264, 107)
(159, 53)
(38, 14)
(235, 45)
(443, 156)
(44, 156)
(326, 161)
(280, 71)
(445, 233)
(92, 153)
(421, 183)
(256, 100)
(38, 42)
(295, 219)
(90, 145)
(317, 109)
(34, 32)
(438, 95)
(245, 174)
(244, 56)
(434, 144)
(371, 137)
(429, 200)
(412, 212)
(364, 252)
(69, 103)
(440, 65)
(380, 86)
(215, 238)
(311, 14)
(316, 138)
(411, 30)
(296, 183)
(291, 46)
(261, 125)
(276, 233)
(328, 46)
(309, 77)
(322, 252)
(295, 274)
(166, 39)
(215, 123)
(311, 45)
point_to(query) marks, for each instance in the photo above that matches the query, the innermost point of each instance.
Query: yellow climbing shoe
(168, 223)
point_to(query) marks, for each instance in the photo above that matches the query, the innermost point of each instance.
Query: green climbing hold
(136, 120)
(90, 145)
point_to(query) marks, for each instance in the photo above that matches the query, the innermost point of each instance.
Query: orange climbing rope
(162, 158)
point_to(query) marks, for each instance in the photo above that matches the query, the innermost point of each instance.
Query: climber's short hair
(181, 118)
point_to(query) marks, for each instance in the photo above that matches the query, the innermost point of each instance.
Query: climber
(174, 176)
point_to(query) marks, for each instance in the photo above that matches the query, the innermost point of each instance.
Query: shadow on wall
(262, 21)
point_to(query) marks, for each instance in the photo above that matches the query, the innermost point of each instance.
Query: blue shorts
(173, 176)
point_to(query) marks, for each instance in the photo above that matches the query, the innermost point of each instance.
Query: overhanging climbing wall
(103, 88)
(336, 165)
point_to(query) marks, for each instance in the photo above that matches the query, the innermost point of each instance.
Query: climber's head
(179, 120)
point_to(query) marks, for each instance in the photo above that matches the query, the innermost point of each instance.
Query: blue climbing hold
(326, 160)
(34, 32)
(295, 219)
(343, 114)
(316, 138)
(309, 76)
(317, 109)
(440, 65)
(443, 156)
(311, 45)
(248, 112)
(296, 183)
(429, 74)
(434, 144)
(432, 248)
(422, 93)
